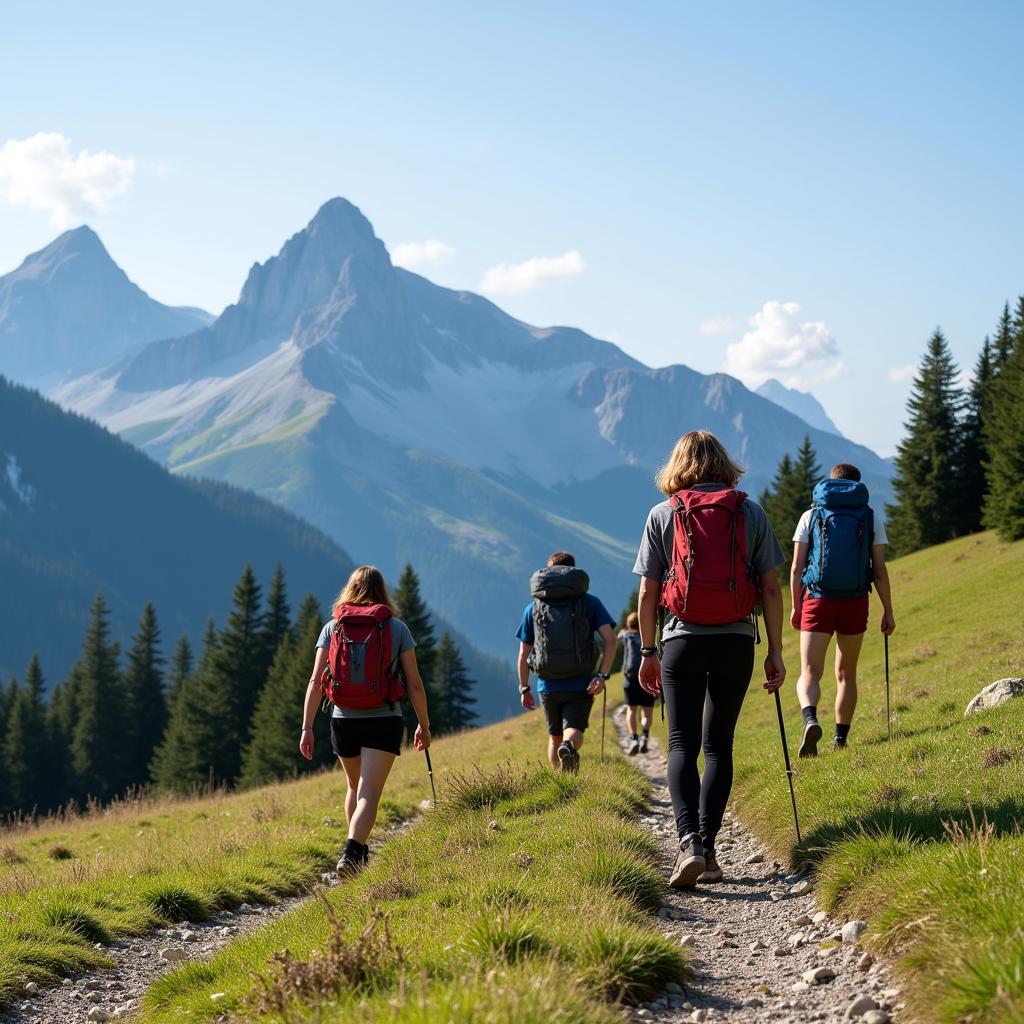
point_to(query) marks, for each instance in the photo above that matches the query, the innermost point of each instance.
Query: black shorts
(566, 711)
(383, 732)
(636, 695)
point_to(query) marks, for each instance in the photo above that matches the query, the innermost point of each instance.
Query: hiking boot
(809, 743)
(353, 859)
(838, 743)
(712, 869)
(634, 747)
(643, 744)
(690, 863)
(568, 758)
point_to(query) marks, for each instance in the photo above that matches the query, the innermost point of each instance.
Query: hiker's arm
(310, 704)
(647, 612)
(607, 634)
(796, 583)
(417, 697)
(523, 665)
(771, 604)
(883, 588)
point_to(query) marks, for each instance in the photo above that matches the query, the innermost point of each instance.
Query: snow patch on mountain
(24, 492)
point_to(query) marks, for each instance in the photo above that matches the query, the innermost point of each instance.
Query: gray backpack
(630, 654)
(563, 637)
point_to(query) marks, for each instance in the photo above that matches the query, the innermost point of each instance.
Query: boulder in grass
(999, 692)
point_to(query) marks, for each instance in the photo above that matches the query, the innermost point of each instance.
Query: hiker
(365, 662)
(556, 640)
(708, 557)
(838, 552)
(637, 698)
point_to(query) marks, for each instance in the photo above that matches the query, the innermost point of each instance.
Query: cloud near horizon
(41, 173)
(421, 255)
(514, 278)
(717, 325)
(799, 353)
(901, 373)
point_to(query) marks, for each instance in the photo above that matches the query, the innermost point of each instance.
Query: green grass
(69, 883)
(890, 826)
(493, 912)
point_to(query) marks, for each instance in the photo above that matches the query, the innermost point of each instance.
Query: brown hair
(365, 586)
(844, 471)
(632, 621)
(562, 558)
(698, 458)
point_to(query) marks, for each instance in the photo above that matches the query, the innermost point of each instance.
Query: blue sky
(675, 169)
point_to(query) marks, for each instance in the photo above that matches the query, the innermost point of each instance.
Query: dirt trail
(757, 936)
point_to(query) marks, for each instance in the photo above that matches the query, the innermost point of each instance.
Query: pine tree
(926, 481)
(1004, 505)
(309, 610)
(180, 669)
(412, 610)
(24, 753)
(276, 619)
(789, 496)
(454, 686)
(1002, 344)
(973, 455)
(98, 711)
(144, 700)
(774, 497)
(8, 694)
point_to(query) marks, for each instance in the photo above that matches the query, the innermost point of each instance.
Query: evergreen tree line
(229, 717)
(960, 467)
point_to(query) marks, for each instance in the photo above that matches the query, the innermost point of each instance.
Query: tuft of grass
(173, 902)
(506, 938)
(993, 757)
(625, 964)
(60, 852)
(625, 875)
(476, 789)
(64, 914)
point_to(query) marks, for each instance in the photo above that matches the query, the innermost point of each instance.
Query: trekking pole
(430, 773)
(888, 717)
(604, 716)
(789, 767)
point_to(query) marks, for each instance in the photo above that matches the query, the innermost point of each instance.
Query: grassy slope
(877, 818)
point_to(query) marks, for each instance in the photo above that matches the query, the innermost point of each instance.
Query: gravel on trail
(762, 949)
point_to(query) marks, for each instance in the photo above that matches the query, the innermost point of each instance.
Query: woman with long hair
(708, 557)
(365, 658)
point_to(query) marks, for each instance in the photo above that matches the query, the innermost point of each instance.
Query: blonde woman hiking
(638, 701)
(708, 556)
(365, 663)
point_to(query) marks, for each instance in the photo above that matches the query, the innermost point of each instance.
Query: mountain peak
(800, 403)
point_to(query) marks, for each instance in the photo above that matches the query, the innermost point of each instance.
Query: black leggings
(693, 668)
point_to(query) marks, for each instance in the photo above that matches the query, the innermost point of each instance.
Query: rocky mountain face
(799, 403)
(415, 423)
(70, 308)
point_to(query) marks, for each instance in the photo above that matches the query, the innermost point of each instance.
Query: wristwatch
(647, 652)
(603, 676)
(523, 689)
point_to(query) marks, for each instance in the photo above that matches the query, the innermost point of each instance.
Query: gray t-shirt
(401, 640)
(654, 558)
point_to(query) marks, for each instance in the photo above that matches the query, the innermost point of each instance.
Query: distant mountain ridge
(414, 422)
(800, 403)
(70, 308)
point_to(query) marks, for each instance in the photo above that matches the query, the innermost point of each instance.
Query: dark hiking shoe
(712, 869)
(568, 758)
(809, 743)
(838, 743)
(643, 744)
(690, 863)
(634, 747)
(353, 859)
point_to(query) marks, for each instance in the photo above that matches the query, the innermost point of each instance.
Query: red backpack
(358, 673)
(709, 582)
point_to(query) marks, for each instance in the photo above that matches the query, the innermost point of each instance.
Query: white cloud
(901, 373)
(717, 325)
(421, 255)
(797, 352)
(511, 278)
(41, 173)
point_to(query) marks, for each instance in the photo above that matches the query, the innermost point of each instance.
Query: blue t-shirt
(599, 617)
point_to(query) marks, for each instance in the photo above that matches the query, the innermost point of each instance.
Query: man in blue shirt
(567, 617)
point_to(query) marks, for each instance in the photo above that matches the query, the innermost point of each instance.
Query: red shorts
(846, 615)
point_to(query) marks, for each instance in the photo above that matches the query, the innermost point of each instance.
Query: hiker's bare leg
(375, 769)
(631, 719)
(573, 736)
(351, 766)
(813, 648)
(554, 741)
(645, 719)
(847, 654)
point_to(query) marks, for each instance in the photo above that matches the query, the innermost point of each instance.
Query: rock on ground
(999, 692)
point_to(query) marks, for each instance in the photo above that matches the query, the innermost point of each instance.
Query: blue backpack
(842, 529)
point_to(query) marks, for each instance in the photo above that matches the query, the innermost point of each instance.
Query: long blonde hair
(698, 458)
(365, 586)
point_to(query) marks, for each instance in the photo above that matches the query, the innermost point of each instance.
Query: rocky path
(763, 950)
